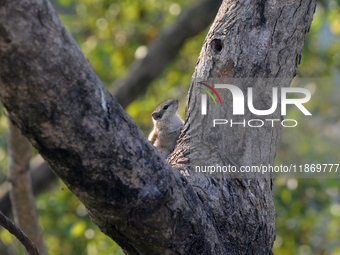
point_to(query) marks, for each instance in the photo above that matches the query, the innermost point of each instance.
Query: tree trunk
(23, 203)
(41, 178)
(53, 95)
(251, 44)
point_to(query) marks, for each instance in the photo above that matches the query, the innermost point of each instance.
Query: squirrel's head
(165, 110)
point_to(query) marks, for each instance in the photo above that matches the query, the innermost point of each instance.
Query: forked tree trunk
(53, 95)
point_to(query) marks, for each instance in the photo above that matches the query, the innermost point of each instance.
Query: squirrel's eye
(165, 107)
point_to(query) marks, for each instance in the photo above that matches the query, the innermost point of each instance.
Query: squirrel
(167, 125)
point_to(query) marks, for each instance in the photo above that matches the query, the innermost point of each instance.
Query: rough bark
(251, 43)
(53, 95)
(164, 49)
(23, 203)
(134, 84)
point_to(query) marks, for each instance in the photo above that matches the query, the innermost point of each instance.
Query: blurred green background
(112, 34)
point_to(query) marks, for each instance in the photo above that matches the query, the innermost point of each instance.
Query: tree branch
(199, 16)
(164, 49)
(21, 236)
(53, 95)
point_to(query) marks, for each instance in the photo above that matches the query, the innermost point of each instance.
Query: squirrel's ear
(156, 116)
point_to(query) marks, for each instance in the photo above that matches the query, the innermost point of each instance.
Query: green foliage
(110, 32)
